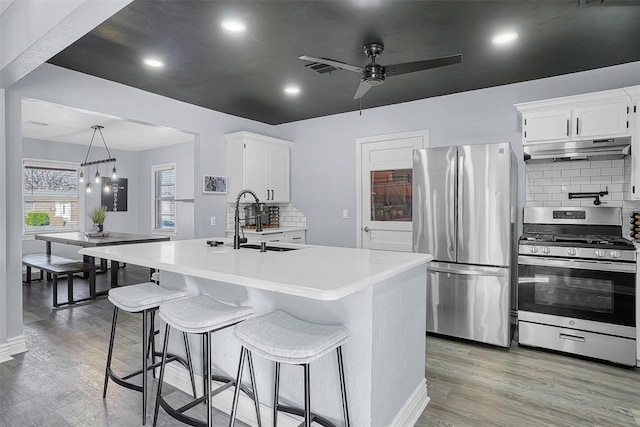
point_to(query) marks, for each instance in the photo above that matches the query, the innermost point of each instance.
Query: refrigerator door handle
(452, 203)
(462, 271)
(459, 214)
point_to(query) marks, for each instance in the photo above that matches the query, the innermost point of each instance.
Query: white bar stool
(201, 315)
(142, 298)
(282, 338)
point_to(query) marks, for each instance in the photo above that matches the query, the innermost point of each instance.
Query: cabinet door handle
(296, 238)
(577, 126)
(268, 198)
(272, 195)
(568, 127)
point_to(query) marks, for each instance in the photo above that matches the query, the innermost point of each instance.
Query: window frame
(48, 163)
(154, 169)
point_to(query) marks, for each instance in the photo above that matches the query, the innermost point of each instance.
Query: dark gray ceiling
(244, 75)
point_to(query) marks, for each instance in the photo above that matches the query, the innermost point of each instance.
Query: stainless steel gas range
(576, 283)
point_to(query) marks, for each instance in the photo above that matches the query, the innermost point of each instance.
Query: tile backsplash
(289, 216)
(549, 184)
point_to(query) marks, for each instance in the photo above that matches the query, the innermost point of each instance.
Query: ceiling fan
(374, 74)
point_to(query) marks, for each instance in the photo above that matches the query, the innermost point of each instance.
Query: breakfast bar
(379, 296)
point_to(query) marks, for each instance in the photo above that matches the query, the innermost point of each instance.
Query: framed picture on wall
(214, 184)
(116, 198)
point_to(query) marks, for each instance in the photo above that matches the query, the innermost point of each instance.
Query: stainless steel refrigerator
(464, 214)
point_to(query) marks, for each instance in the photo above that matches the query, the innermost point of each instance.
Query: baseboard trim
(12, 346)
(178, 376)
(413, 408)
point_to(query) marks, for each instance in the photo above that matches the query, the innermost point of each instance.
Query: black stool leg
(208, 383)
(254, 388)
(190, 363)
(307, 397)
(343, 388)
(236, 395)
(161, 379)
(145, 364)
(276, 390)
(152, 341)
(110, 353)
(205, 374)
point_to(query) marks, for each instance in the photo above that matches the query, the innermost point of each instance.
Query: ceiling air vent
(321, 68)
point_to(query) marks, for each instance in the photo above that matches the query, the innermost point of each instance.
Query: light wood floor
(478, 385)
(58, 382)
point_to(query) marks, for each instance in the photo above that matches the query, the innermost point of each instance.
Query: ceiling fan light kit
(374, 74)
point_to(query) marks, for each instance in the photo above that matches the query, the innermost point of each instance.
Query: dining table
(104, 239)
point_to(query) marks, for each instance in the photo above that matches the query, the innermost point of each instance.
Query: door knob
(366, 229)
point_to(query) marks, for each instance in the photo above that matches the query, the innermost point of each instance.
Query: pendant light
(87, 164)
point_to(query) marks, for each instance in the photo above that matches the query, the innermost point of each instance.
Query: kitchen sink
(268, 248)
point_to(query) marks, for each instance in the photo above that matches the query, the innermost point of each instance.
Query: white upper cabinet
(602, 120)
(547, 126)
(580, 117)
(259, 163)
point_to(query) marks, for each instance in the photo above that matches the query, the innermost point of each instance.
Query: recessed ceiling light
(233, 25)
(504, 38)
(292, 90)
(151, 62)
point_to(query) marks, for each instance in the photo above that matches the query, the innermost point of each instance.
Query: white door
(385, 189)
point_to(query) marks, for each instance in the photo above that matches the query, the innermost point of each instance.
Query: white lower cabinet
(282, 236)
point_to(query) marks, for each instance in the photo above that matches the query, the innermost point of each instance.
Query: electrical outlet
(345, 214)
(213, 221)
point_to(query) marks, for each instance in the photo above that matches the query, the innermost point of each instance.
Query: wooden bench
(58, 266)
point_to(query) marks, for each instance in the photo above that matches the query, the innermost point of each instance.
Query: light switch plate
(213, 221)
(345, 214)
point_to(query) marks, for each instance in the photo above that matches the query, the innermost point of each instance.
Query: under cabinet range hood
(595, 149)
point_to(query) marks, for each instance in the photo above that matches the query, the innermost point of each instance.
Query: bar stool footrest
(122, 381)
(179, 415)
(300, 412)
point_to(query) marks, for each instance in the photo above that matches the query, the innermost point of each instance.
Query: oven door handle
(493, 273)
(572, 337)
(578, 264)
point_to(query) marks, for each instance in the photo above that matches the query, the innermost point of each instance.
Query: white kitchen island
(380, 296)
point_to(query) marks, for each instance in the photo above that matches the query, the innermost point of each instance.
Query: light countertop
(316, 272)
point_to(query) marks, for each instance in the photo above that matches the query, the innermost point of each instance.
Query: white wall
(323, 155)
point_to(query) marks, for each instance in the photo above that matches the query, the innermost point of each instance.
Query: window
(51, 200)
(164, 198)
(391, 195)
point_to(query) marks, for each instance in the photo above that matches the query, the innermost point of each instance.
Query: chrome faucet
(236, 231)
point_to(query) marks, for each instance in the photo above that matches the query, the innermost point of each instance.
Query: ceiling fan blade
(362, 90)
(337, 64)
(411, 67)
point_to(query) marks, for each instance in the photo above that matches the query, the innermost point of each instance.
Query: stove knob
(533, 249)
(615, 254)
(599, 252)
(546, 250)
(571, 251)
